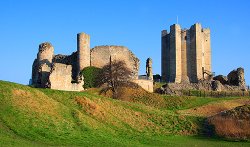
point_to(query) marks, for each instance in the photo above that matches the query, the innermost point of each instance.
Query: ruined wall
(68, 60)
(34, 72)
(237, 78)
(148, 85)
(62, 71)
(45, 53)
(42, 65)
(149, 69)
(100, 56)
(60, 78)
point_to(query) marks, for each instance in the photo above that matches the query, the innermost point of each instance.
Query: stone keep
(185, 54)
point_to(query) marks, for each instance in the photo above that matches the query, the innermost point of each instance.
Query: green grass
(43, 117)
(186, 102)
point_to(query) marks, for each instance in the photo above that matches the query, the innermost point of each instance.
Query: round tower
(83, 51)
(44, 63)
(45, 53)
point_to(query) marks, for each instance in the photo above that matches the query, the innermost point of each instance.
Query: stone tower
(149, 69)
(45, 53)
(44, 63)
(83, 51)
(186, 54)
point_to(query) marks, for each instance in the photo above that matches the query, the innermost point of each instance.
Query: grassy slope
(42, 117)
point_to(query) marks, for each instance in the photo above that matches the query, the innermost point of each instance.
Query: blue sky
(136, 24)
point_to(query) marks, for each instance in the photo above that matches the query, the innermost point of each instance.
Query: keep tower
(185, 54)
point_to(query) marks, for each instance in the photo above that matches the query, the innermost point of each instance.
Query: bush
(90, 75)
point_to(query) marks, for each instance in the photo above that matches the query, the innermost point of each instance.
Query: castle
(185, 54)
(62, 72)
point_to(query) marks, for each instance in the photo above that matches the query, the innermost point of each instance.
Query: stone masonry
(149, 69)
(83, 49)
(100, 56)
(186, 54)
(62, 72)
(234, 81)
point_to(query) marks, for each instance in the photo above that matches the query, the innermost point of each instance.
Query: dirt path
(214, 108)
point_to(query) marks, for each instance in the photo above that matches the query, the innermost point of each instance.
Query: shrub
(90, 75)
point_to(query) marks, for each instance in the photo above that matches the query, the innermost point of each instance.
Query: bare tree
(115, 74)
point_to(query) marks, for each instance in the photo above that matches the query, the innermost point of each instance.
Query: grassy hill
(44, 117)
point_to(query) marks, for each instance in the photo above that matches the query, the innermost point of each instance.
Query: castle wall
(43, 75)
(34, 72)
(192, 56)
(185, 54)
(189, 55)
(207, 50)
(100, 56)
(45, 54)
(175, 53)
(83, 50)
(168, 58)
(147, 85)
(43, 65)
(68, 60)
(60, 78)
(164, 54)
(199, 51)
(62, 71)
(184, 50)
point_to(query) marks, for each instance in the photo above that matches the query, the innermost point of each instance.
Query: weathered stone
(216, 85)
(236, 78)
(186, 54)
(149, 69)
(83, 50)
(43, 75)
(100, 56)
(68, 60)
(45, 53)
(223, 79)
(34, 72)
(60, 78)
(147, 85)
(62, 71)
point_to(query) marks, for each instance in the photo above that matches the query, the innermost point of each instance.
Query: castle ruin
(186, 62)
(62, 72)
(185, 54)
